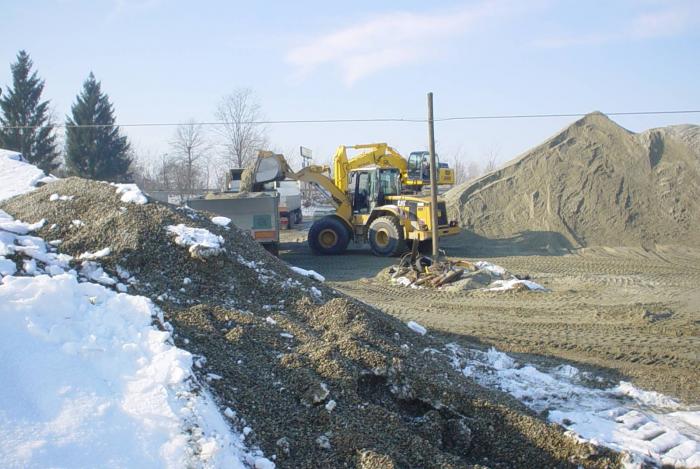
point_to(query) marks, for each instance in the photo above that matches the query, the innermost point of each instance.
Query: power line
(536, 116)
(352, 120)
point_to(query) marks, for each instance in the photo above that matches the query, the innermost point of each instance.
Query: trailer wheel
(329, 235)
(386, 237)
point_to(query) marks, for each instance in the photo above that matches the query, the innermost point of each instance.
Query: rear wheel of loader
(386, 237)
(329, 235)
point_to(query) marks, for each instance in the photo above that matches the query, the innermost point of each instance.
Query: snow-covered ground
(89, 382)
(648, 426)
(90, 376)
(17, 176)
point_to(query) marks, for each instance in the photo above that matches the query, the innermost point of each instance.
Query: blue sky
(169, 61)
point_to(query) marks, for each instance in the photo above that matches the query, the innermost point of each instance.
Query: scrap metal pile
(419, 270)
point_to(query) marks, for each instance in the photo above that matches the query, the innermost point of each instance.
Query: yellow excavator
(370, 205)
(415, 171)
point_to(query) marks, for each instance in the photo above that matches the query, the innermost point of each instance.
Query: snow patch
(96, 255)
(503, 285)
(54, 197)
(17, 176)
(650, 427)
(417, 328)
(221, 221)
(131, 193)
(308, 273)
(493, 269)
(202, 243)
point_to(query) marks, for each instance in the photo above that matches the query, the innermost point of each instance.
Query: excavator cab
(419, 170)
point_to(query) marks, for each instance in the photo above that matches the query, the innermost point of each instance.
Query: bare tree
(242, 136)
(190, 147)
(473, 171)
(491, 159)
(459, 166)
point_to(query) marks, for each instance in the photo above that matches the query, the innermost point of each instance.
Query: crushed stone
(351, 387)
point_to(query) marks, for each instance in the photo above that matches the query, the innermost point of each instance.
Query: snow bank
(650, 427)
(18, 176)
(86, 378)
(131, 193)
(201, 242)
(308, 273)
(88, 381)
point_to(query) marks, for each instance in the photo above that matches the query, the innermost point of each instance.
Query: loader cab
(370, 186)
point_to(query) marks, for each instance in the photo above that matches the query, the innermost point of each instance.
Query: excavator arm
(379, 154)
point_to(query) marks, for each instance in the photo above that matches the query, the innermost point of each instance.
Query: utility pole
(433, 179)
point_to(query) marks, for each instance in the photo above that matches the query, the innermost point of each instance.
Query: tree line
(95, 151)
(94, 147)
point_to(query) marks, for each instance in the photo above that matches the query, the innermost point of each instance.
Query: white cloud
(391, 40)
(674, 19)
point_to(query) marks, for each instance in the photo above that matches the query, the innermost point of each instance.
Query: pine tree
(97, 151)
(33, 133)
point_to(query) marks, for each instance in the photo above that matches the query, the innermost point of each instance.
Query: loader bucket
(268, 168)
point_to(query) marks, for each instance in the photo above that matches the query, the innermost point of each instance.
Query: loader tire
(329, 235)
(386, 237)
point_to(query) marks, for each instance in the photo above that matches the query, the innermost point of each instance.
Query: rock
(323, 442)
(370, 459)
(457, 435)
(316, 394)
(283, 445)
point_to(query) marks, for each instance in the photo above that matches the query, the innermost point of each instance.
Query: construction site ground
(628, 314)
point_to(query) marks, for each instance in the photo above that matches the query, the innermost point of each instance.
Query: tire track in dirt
(623, 310)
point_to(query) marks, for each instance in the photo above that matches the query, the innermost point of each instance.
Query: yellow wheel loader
(369, 207)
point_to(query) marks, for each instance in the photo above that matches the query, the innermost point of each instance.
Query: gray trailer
(255, 212)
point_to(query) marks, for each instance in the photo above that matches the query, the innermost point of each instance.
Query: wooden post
(433, 179)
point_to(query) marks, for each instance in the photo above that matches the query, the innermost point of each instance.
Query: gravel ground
(322, 379)
(624, 313)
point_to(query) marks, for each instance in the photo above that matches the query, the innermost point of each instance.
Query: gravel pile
(593, 184)
(314, 378)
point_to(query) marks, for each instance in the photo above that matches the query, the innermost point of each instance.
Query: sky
(163, 61)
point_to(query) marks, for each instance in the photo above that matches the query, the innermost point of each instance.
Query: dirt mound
(594, 183)
(321, 379)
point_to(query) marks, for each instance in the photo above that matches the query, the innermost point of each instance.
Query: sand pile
(594, 183)
(312, 377)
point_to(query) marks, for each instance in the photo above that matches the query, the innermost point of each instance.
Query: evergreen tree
(97, 151)
(22, 108)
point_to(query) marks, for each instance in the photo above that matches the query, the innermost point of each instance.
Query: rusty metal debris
(419, 270)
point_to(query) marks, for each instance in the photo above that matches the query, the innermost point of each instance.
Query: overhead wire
(355, 120)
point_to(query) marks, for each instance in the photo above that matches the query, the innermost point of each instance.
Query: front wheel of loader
(329, 235)
(386, 237)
